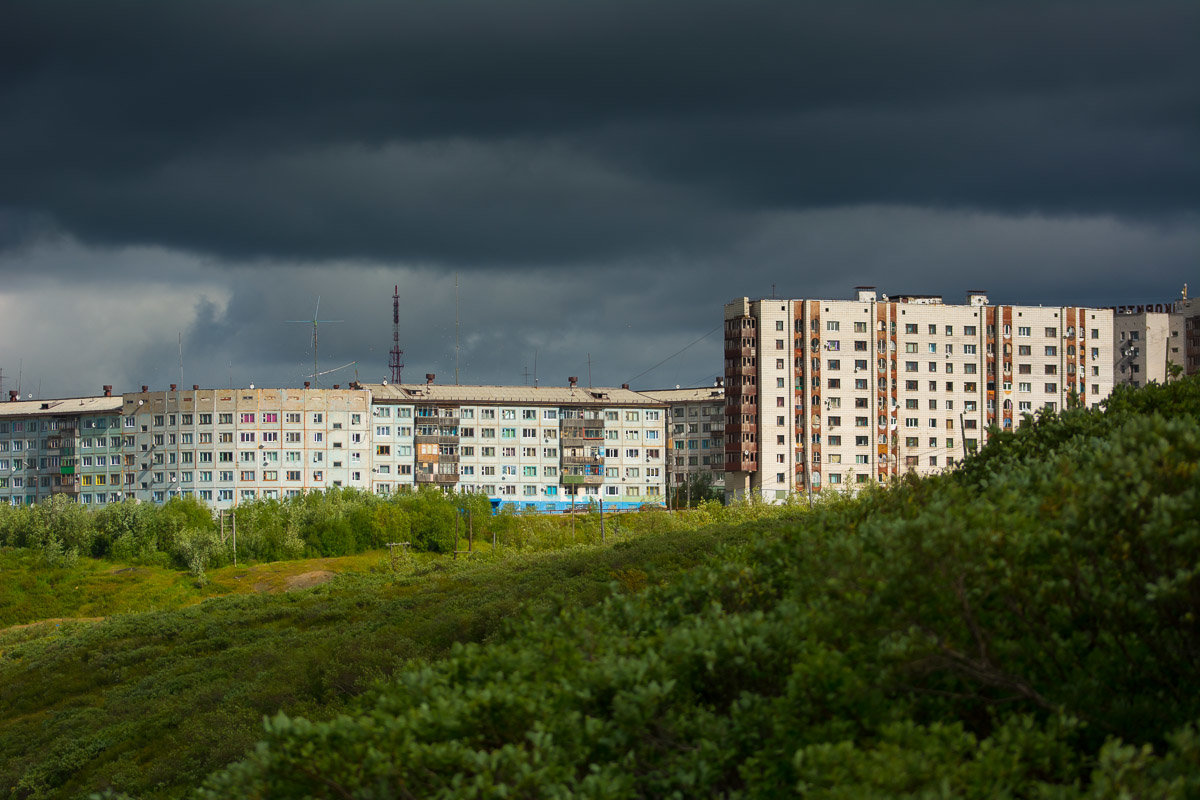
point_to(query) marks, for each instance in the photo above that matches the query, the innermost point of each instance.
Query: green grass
(149, 703)
(32, 591)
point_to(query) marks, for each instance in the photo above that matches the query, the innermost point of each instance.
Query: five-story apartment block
(70, 447)
(531, 448)
(695, 434)
(227, 446)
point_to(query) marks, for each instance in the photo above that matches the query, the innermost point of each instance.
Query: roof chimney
(12, 395)
(195, 387)
(624, 385)
(429, 376)
(307, 384)
(573, 380)
(337, 386)
(107, 391)
(173, 387)
(145, 389)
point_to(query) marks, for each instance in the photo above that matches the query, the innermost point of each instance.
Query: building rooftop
(63, 406)
(693, 395)
(527, 395)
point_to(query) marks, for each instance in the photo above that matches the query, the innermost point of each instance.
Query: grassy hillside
(1026, 627)
(151, 703)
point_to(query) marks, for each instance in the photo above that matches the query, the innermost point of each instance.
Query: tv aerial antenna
(315, 322)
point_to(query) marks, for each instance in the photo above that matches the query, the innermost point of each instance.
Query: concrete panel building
(227, 446)
(69, 446)
(695, 434)
(1151, 339)
(838, 393)
(530, 448)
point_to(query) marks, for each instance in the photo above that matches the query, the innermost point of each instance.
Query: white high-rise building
(837, 393)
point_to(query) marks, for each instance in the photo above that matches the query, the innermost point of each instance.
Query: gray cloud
(601, 176)
(448, 131)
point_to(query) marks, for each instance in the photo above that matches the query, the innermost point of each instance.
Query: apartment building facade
(528, 448)
(827, 394)
(1152, 339)
(70, 446)
(695, 434)
(227, 446)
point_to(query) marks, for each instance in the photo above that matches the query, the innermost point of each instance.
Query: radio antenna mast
(396, 360)
(456, 329)
(314, 321)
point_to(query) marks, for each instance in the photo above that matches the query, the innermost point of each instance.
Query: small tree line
(184, 533)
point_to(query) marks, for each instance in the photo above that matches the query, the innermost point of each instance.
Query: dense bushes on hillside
(1024, 627)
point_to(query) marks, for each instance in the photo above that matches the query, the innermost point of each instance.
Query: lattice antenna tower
(396, 361)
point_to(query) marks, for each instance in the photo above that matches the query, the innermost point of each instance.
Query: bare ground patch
(307, 580)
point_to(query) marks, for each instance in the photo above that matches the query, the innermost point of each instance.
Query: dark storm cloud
(541, 133)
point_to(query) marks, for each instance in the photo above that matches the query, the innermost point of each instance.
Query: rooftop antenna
(181, 358)
(314, 321)
(535, 354)
(456, 329)
(525, 372)
(396, 361)
(589, 355)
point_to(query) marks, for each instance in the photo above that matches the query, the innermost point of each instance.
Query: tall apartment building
(1149, 339)
(70, 446)
(695, 433)
(838, 393)
(542, 448)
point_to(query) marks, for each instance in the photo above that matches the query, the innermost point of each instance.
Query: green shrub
(1023, 628)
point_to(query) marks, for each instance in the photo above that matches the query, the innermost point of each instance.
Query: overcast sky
(601, 177)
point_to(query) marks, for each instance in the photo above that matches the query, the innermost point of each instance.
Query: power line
(676, 353)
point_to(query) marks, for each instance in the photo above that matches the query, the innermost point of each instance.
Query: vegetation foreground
(1022, 627)
(1025, 627)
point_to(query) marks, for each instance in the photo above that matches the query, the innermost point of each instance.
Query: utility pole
(962, 434)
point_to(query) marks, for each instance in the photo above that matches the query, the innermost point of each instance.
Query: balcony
(435, 439)
(585, 480)
(582, 461)
(436, 478)
(437, 419)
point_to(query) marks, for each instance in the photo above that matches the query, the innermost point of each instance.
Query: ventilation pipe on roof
(573, 380)
(107, 391)
(429, 376)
